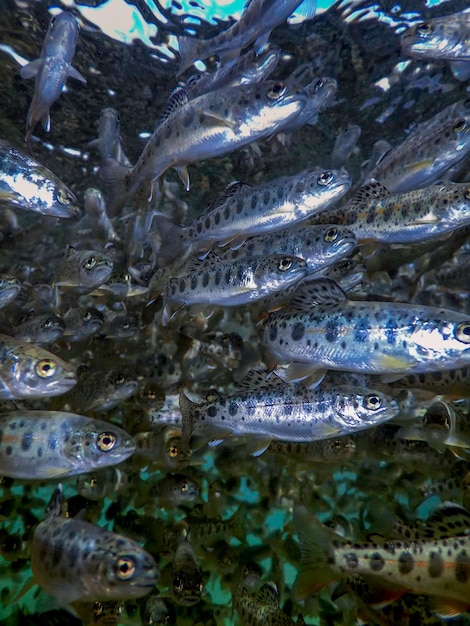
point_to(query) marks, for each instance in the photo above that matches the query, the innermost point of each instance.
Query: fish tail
(115, 179)
(186, 408)
(171, 245)
(188, 49)
(317, 563)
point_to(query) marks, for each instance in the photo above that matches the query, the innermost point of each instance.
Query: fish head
(363, 408)
(430, 39)
(280, 271)
(438, 422)
(443, 339)
(10, 287)
(318, 187)
(337, 241)
(95, 268)
(64, 203)
(61, 36)
(101, 443)
(37, 373)
(126, 571)
(187, 583)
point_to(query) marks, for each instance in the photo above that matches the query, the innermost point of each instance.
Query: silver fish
(231, 283)
(43, 329)
(95, 208)
(109, 138)
(273, 409)
(52, 69)
(28, 371)
(245, 211)
(9, 288)
(205, 127)
(53, 444)
(74, 560)
(327, 330)
(26, 184)
(255, 25)
(444, 38)
(82, 271)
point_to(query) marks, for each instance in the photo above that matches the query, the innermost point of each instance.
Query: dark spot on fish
(218, 276)
(272, 333)
(232, 409)
(216, 219)
(207, 222)
(182, 285)
(376, 562)
(435, 565)
(227, 212)
(352, 560)
(405, 563)
(362, 330)
(331, 331)
(26, 441)
(8, 450)
(211, 411)
(239, 207)
(462, 567)
(298, 331)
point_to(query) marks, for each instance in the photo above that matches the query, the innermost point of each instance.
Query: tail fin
(172, 240)
(188, 49)
(317, 563)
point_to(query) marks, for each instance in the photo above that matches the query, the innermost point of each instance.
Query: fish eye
(184, 487)
(277, 90)
(46, 368)
(337, 444)
(459, 125)
(64, 197)
(97, 609)
(462, 332)
(106, 441)
(120, 378)
(424, 29)
(331, 235)
(325, 178)
(284, 264)
(173, 451)
(466, 193)
(318, 84)
(90, 263)
(125, 568)
(178, 584)
(372, 402)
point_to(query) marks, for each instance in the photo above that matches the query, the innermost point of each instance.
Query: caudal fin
(317, 563)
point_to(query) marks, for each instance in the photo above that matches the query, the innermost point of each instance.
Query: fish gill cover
(234, 312)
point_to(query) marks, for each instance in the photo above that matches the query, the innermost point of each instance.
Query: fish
(162, 448)
(375, 214)
(320, 246)
(99, 613)
(215, 282)
(74, 560)
(95, 208)
(157, 611)
(246, 211)
(55, 444)
(28, 371)
(27, 185)
(82, 271)
(41, 329)
(176, 490)
(52, 69)
(344, 145)
(451, 383)
(443, 38)
(187, 583)
(9, 288)
(326, 330)
(332, 451)
(257, 21)
(82, 323)
(274, 410)
(437, 567)
(429, 150)
(248, 68)
(109, 141)
(204, 127)
(106, 482)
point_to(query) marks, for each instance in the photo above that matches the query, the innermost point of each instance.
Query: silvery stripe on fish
(74, 560)
(414, 216)
(246, 211)
(257, 21)
(327, 330)
(28, 371)
(52, 68)
(50, 444)
(26, 184)
(272, 409)
(205, 127)
(232, 283)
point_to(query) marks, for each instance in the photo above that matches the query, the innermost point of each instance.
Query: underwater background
(128, 53)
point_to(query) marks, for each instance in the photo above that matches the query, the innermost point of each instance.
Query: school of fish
(235, 316)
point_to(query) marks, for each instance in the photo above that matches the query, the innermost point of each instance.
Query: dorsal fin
(177, 99)
(268, 594)
(196, 264)
(370, 192)
(254, 379)
(322, 291)
(232, 189)
(54, 508)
